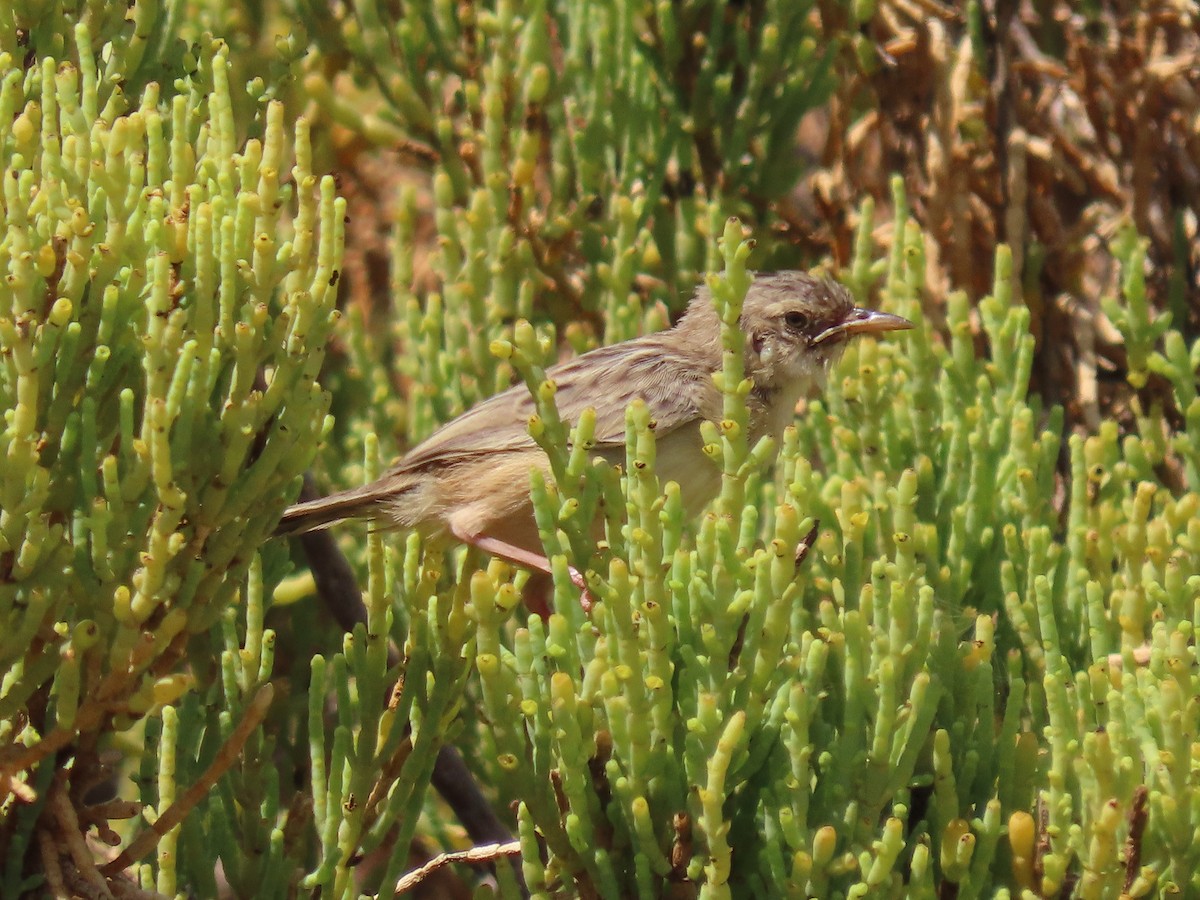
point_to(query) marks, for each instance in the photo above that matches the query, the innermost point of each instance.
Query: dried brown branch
(1138, 816)
(1051, 129)
(255, 712)
(488, 853)
(69, 834)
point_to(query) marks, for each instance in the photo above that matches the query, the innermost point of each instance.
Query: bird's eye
(795, 320)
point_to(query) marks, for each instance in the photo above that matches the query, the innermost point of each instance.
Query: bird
(470, 479)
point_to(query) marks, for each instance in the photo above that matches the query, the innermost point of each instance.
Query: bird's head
(797, 326)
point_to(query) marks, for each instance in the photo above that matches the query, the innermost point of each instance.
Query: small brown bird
(470, 478)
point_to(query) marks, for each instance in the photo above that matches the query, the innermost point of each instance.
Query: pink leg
(526, 559)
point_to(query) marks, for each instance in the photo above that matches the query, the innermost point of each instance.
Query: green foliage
(164, 314)
(945, 500)
(978, 679)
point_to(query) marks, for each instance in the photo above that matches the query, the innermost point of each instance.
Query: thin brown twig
(108, 697)
(70, 835)
(175, 813)
(24, 757)
(806, 543)
(1133, 844)
(51, 868)
(486, 853)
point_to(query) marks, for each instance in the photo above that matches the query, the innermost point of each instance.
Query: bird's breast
(681, 458)
(773, 411)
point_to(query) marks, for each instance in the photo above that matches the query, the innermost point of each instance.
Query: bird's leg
(526, 559)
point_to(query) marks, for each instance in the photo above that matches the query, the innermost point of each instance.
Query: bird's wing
(607, 379)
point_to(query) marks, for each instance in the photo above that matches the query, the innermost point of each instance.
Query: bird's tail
(312, 515)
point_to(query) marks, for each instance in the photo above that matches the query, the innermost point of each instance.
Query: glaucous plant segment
(168, 293)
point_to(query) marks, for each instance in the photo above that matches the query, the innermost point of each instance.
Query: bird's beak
(863, 321)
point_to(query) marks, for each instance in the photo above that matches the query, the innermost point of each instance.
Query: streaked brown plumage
(470, 479)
